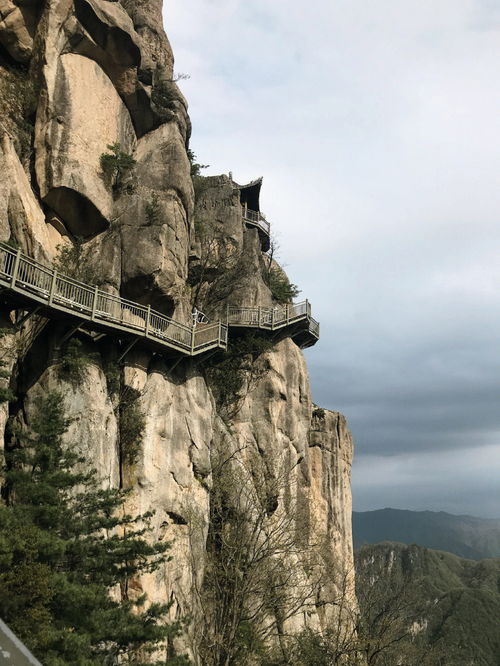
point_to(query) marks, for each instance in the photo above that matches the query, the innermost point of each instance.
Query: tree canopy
(68, 552)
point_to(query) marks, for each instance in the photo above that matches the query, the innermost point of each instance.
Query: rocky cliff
(83, 80)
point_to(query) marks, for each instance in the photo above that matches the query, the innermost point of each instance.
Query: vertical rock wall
(97, 67)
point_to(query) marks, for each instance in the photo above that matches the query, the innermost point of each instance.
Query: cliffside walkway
(30, 283)
(27, 280)
(258, 220)
(297, 316)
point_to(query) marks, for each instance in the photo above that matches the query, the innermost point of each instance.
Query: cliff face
(77, 78)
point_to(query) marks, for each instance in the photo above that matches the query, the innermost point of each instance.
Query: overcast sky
(376, 126)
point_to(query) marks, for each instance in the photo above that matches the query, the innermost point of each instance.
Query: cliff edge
(99, 183)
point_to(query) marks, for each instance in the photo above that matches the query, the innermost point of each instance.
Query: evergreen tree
(65, 545)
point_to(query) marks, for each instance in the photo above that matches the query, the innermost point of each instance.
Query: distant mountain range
(465, 536)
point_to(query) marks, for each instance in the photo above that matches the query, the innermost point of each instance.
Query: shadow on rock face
(145, 289)
(79, 213)
(115, 39)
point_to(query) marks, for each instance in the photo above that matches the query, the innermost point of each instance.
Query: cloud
(375, 126)
(437, 479)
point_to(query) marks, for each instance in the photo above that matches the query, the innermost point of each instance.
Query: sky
(375, 125)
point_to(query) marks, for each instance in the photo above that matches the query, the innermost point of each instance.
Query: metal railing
(273, 318)
(256, 219)
(47, 286)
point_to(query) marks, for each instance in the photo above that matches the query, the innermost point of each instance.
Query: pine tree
(65, 544)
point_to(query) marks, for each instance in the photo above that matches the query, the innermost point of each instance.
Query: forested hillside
(423, 606)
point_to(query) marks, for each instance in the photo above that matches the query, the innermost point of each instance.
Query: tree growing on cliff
(282, 290)
(233, 374)
(116, 165)
(258, 570)
(218, 271)
(65, 545)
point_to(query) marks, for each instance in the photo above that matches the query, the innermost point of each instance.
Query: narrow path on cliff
(30, 285)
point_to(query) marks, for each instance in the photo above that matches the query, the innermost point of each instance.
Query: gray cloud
(375, 126)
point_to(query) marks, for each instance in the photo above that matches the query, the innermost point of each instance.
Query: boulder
(156, 228)
(17, 27)
(21, 215)
(157, 58)
(81, 117)
(104, 32)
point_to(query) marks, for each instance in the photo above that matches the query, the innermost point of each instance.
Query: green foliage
(74, 362)
(281, 288)
(13, 243)
(132, 424)
(218, 271)
(196, 167)
(6, 394)
(454, 603)
(116, 166)
(153, 209)
(71, 262)
(65, 543)
(131, 419)
(233, 374)
(113, 377)
(18, 101)
(165, 97)
(318, 412)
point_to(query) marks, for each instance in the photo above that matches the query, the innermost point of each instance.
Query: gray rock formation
(104, 74)
(17, 27)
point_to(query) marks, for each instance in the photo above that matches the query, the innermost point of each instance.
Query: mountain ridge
(466, 536)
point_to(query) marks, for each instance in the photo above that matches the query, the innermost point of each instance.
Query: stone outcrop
(84, 115)
(103, 71)
(155, 259)
(17, 27)
(21, 215)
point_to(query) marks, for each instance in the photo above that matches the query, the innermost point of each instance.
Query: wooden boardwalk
(31, 284)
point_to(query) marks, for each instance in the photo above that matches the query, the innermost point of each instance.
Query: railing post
(260, 315)
(16, 267)
(94, 302)
(148, 320)
(52, 286)
(220, 334)
(272, 318)
(288, 313)
(193, 330)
